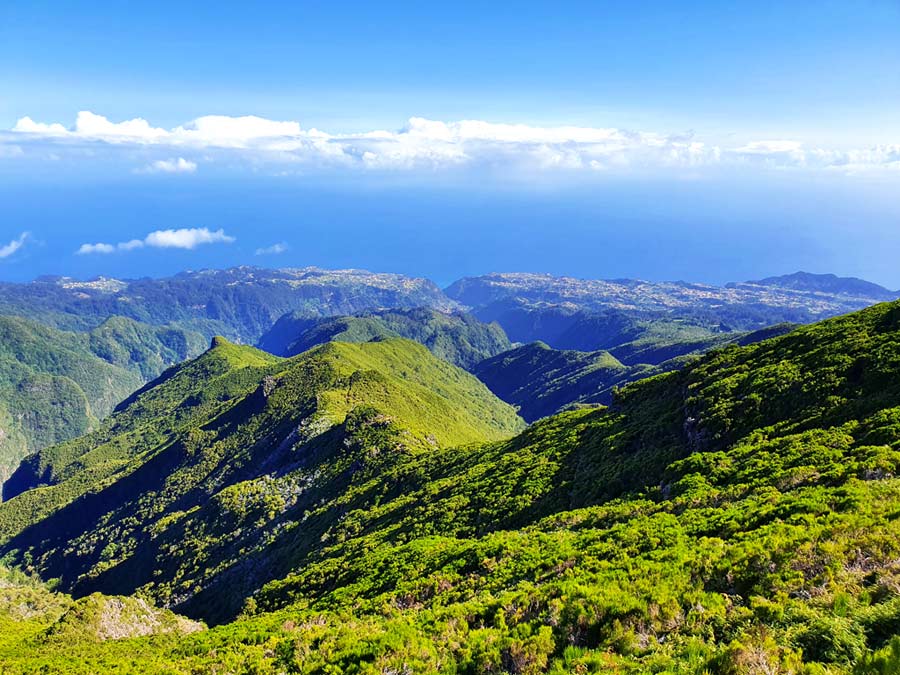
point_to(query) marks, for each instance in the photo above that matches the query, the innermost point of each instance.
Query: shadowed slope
(218, 457)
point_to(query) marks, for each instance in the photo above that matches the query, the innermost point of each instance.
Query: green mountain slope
(142, 348)
(737, 516)
(541, 381)
(241, 303)
(227, 472)
(565, 326)
(458, 338)
(55, 385)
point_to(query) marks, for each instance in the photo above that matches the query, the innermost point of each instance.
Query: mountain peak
(219, 341)
(827, 283)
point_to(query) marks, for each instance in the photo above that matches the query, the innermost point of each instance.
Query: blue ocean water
(709, 230)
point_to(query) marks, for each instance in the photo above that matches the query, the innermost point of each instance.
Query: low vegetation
(56, 385)
(458, 338)
(541, 381)
(206, 485)
(739, 515)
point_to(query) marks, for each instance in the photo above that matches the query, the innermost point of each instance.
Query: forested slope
(737, 516)
(56, 385)
(458, 338)
(194, 491)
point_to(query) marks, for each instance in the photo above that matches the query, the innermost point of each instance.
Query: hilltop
(825, 283)
(458, 338)
(44, 619)
(193, 491)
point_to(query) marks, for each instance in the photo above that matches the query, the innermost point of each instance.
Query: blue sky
(655, 140)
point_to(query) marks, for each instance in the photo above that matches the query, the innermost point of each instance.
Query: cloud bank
(179, 165)
(274, 249)
(438, 144)
(185, 238)
(13, 246)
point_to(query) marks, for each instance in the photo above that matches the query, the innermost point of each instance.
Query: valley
(394, 485)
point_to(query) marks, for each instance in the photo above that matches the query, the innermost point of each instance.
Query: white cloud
(439, 144)
(99, 247)
(8, 249)
(274, 249)
(90, 124)
(207, 131)
(184, 238)
(223, 130)
(130, 245)
(178, 165)
(26, 125)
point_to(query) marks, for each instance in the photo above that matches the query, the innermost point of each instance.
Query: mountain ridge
(540, 380)
(828, 283)
(458, 338)
(732, 516)
(238, 302)
(226, 429)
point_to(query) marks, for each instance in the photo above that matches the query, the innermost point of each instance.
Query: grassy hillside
(458, 338)
(737, 516)
(227, 471)
(142, 348)
(55, 385)
(34, 617)
(541, 381)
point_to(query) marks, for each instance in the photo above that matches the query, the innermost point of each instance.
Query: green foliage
(541, 381)
(737, 516)
(143, 348)
(55, 385)
(99, 618)
(882, 662)
(256, 442)
(458, 338)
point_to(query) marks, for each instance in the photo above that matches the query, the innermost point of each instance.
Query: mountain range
(121, 333)
(811, 295)
(456, 337)
(242, 303)
(710, 498)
